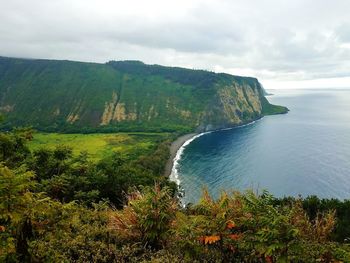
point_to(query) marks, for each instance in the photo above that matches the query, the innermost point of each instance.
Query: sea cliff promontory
(67, 96)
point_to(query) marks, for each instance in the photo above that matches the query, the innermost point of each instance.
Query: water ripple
(306, 151)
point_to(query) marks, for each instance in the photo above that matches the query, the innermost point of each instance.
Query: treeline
(201, 79)
(65, 177)
(64, 127)
(313, 206)
(57, 207)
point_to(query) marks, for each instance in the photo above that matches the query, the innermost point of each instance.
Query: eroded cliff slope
(125, 95)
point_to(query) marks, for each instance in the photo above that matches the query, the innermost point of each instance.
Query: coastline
(174, 148)
(177, 146)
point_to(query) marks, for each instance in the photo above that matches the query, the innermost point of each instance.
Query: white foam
(174, 176)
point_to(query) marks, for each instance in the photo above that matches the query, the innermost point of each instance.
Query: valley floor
(100, 145)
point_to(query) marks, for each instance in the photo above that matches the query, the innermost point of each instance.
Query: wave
(174, 175)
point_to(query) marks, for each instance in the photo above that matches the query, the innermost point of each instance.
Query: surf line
(174, 175)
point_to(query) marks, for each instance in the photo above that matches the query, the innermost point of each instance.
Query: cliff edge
(55, 95)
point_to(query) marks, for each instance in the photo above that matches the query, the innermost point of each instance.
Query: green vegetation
(56, 206)
(314, 205)
(63, 196)
(76, 97)
(235, 228)
(100, 145)
(273, 109)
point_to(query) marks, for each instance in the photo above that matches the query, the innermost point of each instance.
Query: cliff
(71, 96)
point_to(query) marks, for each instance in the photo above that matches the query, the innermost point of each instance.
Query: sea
(301, 153)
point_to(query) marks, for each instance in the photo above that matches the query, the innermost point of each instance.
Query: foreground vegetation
(56, 206)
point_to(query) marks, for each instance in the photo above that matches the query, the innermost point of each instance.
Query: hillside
(56, 206)
(71, 96)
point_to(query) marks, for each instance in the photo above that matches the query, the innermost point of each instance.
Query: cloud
(287, 40)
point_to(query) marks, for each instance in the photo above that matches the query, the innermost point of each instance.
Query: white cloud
(278, 41)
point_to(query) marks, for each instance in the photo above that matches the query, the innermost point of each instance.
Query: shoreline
(174, 148)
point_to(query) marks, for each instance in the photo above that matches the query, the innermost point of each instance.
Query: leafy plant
(147, 218)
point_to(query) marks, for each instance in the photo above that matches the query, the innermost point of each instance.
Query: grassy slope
(48, 94)
(42, 86)
(37, 88)
(270, 109)
(100, 145)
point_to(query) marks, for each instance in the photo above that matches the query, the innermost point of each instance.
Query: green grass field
(99, 145)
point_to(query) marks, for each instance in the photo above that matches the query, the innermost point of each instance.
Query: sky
(284, 43)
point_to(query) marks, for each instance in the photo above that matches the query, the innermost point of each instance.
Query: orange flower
(209, 239)
(230, 224)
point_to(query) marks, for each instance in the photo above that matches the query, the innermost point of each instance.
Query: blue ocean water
(305, 152)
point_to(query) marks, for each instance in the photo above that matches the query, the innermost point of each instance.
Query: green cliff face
(125, 96)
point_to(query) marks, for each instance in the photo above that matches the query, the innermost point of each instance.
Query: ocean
(305, 152)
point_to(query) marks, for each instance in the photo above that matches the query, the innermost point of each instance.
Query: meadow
(100, 145)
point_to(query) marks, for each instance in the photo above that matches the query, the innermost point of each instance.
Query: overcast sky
(284, 43)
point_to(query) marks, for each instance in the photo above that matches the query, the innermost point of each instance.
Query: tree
(15, 199)
(13, 148)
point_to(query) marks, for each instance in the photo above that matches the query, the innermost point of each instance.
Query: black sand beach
(175, 146)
